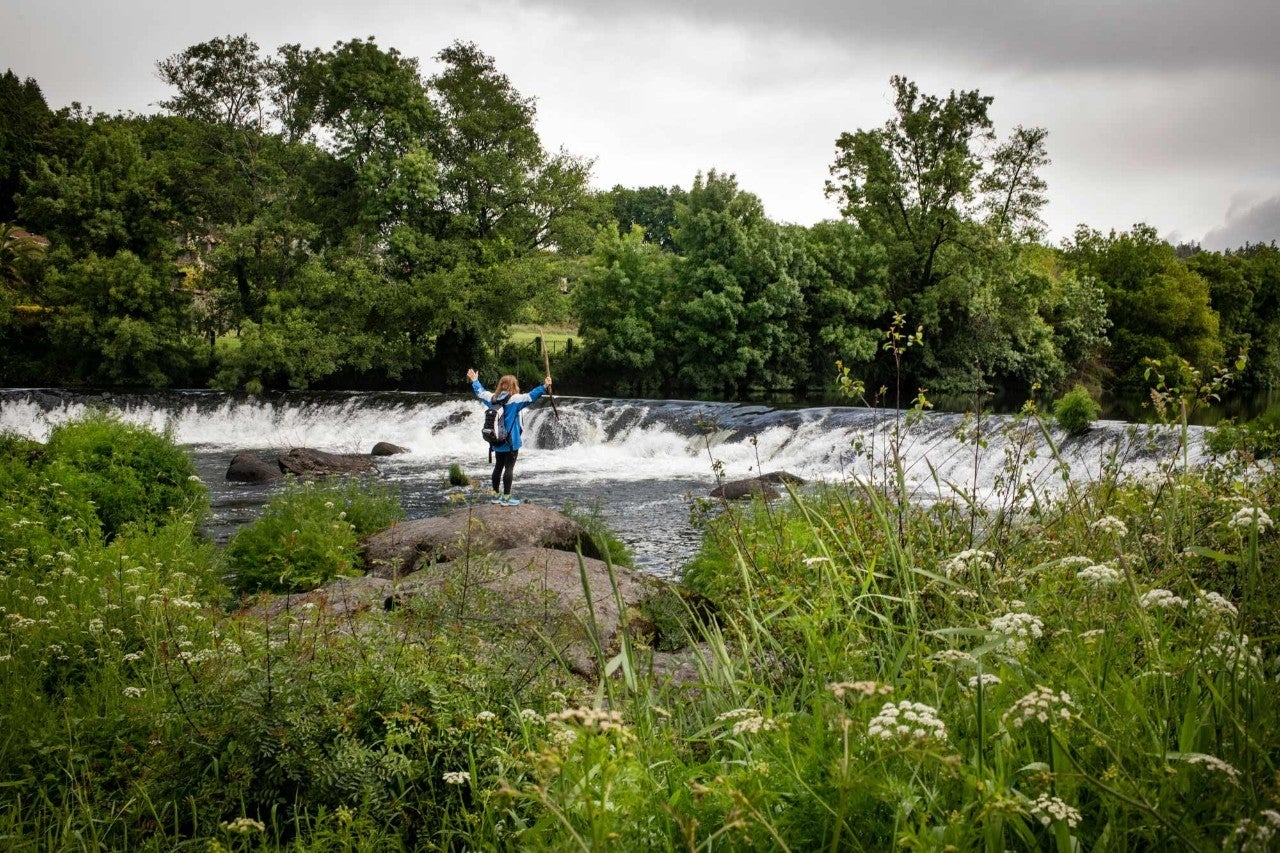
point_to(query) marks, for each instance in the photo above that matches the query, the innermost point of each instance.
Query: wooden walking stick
(546, 362)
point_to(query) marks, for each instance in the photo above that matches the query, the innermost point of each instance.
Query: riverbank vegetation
(1074, 666)
(346, 218)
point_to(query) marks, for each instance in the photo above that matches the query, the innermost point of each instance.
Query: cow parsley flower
(970, 561)
(908, 721)
(1212, 762)
(1020, 628)
(864, 689)
(1250, 835)
(1099, 576)
(1110, 525)
(1250, 516)
(456, 777)
(1040, 705)
(1049, 809)
(987, 679)
(1160, 598)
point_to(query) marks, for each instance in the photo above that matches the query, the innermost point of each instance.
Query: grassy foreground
(1091, 669)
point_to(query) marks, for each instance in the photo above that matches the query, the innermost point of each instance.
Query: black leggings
(504, 468)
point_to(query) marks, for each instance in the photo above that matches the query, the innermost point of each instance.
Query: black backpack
(494, 430)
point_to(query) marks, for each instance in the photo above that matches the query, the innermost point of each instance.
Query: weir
(637, 462)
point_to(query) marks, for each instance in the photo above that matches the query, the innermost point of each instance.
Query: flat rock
(386, 448)
(306, 462)
(340, 597)
(765, 486)
(247, 468)
(542, 586)
(406, 547)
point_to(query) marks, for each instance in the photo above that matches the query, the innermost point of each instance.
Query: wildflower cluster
(1020, 628)
(1250, 516)
(747, 721)
(595, 719)
(1048, 809)
(908, 721)
(970, 561)
(1212, 762)
(1228, 651)
(864, 689)
(1215, 604)
(244, 825)
(1110, 525)
(1041, 704)
(986, 679)
(1161, 598)
(1250, 834)
(1098, 576)
(457, 777)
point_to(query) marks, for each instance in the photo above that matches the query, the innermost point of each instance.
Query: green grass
(1086, 670)
(557, 336)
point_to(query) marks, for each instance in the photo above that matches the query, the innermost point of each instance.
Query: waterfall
(638, 460)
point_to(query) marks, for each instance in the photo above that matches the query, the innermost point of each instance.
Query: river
(639, 463)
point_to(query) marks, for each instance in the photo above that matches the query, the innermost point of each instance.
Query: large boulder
(247, 468)
(766, 486)
(306, 462)
(540, 587)
(339, 597)
(406, 547)
(386, 448)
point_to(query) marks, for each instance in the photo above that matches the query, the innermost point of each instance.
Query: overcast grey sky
(1158, 111)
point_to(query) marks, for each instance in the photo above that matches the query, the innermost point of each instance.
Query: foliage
(607, 543)
(1076, 410)
(129, 474)
(308, 535)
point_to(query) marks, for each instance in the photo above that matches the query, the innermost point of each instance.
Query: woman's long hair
(507, 385)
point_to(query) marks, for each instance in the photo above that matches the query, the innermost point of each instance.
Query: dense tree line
(327, 218)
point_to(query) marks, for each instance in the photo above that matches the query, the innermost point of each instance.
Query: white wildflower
(1160, 598)
(486, 717)
(865, 689)
(1215, 603)
(987, 679)
(953, 656)
(1212, 762)
(1250, 835)
(530, 716)
(1050, 809)
(970, 561)
(457, 777)
(1020, 628)
(244, 825)
(907, 721)
(1250, 516)
(1040, 705)
(1101, 575)
(1111, 525)
(134, 692)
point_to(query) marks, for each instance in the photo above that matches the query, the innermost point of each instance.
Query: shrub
(308, 535)
(458, 477)
(1076, 410)
(132, 474)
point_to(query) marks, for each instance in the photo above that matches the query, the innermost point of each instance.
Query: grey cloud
(1028, 34)
(1258, 223)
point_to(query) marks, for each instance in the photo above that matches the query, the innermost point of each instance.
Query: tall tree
(735, 304)
(221, 81)
(25, 121)
(909, 184)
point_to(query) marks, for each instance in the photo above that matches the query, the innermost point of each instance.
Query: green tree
(652, 208)
(619, 304)
(1157, 306)
(116, 322)
(909, 184)
(25, 124)
(843, 280)
(735, 304)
